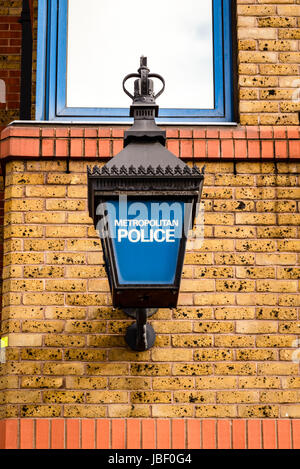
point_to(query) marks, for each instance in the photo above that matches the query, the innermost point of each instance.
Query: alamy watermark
(150, 221)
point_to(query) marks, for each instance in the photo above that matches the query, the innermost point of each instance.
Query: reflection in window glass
(107, 37)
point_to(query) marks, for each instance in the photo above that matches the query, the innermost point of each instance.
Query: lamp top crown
(143, 88)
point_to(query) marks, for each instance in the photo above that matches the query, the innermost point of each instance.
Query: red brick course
(149, 434)
(238, 143)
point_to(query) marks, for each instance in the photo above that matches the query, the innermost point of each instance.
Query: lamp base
(140, 336)
(133, 341)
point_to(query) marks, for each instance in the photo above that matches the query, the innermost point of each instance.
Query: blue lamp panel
(146, 240)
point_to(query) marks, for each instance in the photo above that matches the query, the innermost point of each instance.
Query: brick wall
(269, 57)
(268, 60)
(225, 352)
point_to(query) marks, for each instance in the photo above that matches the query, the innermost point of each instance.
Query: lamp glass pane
(146, 238)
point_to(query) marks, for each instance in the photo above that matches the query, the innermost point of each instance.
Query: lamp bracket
(140, 336)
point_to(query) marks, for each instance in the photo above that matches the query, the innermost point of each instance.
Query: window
(85, 49)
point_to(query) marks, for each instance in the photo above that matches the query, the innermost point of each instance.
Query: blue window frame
(51, 95)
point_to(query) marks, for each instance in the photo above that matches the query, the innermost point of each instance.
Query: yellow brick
(84, 411)
(151, 369)
(66, 204)
(194, 396)
(288, 10)
(279, 396)
(65, 285)
(173, 355)
(235, 313)
(235, 285)
(193, 369)
(63, 369)
(290, 327)
(235, 259)
(232, 397)
(255, 10)
(203, 285)
(133, 383)
(255, 272)
(277, 313)
(77, 191)
(106, 369)
(22, 397)
(213, 355)
(235, 232)
(13, 191)
(276, 22)
(45, 191)
(66, 179)
(256, 355)
(277, 285)
(289, 300)
(216, 299)
(169, 411)
(12, 245)
(89, 299)
(208, 382)
(276, 259)
(42, 326)
(63, 397)
(23, 312)
(43, 299)
(127, 411)
(85, 271)
(234, 341)
(65, 258)
(214, 327)
(276, 232)
(275, 341)
(44, 244)
(64, 340)
(150, 397)
(128, 355)
(258, 382)
(41, 382)
(277, 369)
(288, 272)
(291, 411)
(278, 69)
(56, 312)
(215, 411)
(235, 369)
(23, 205)
(27, 231)
(258, 411)
(43, 271)
(255, 193)
(23, 285)
(25, 340)
(24, 178)
(106, 397)
(198, 258)
(41, 354)
(65, 231)
(45, 217)
(192, 313)
(275, 45)
(191, 340)
(85, 326)
(291, 383)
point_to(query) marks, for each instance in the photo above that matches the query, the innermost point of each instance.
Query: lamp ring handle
(131, 75)
(155, 75)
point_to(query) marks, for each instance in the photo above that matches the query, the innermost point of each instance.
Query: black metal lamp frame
(144, 168)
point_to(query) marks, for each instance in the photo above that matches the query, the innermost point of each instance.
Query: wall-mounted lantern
(143, 203)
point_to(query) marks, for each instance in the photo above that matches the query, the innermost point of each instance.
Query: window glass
(105, 39)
